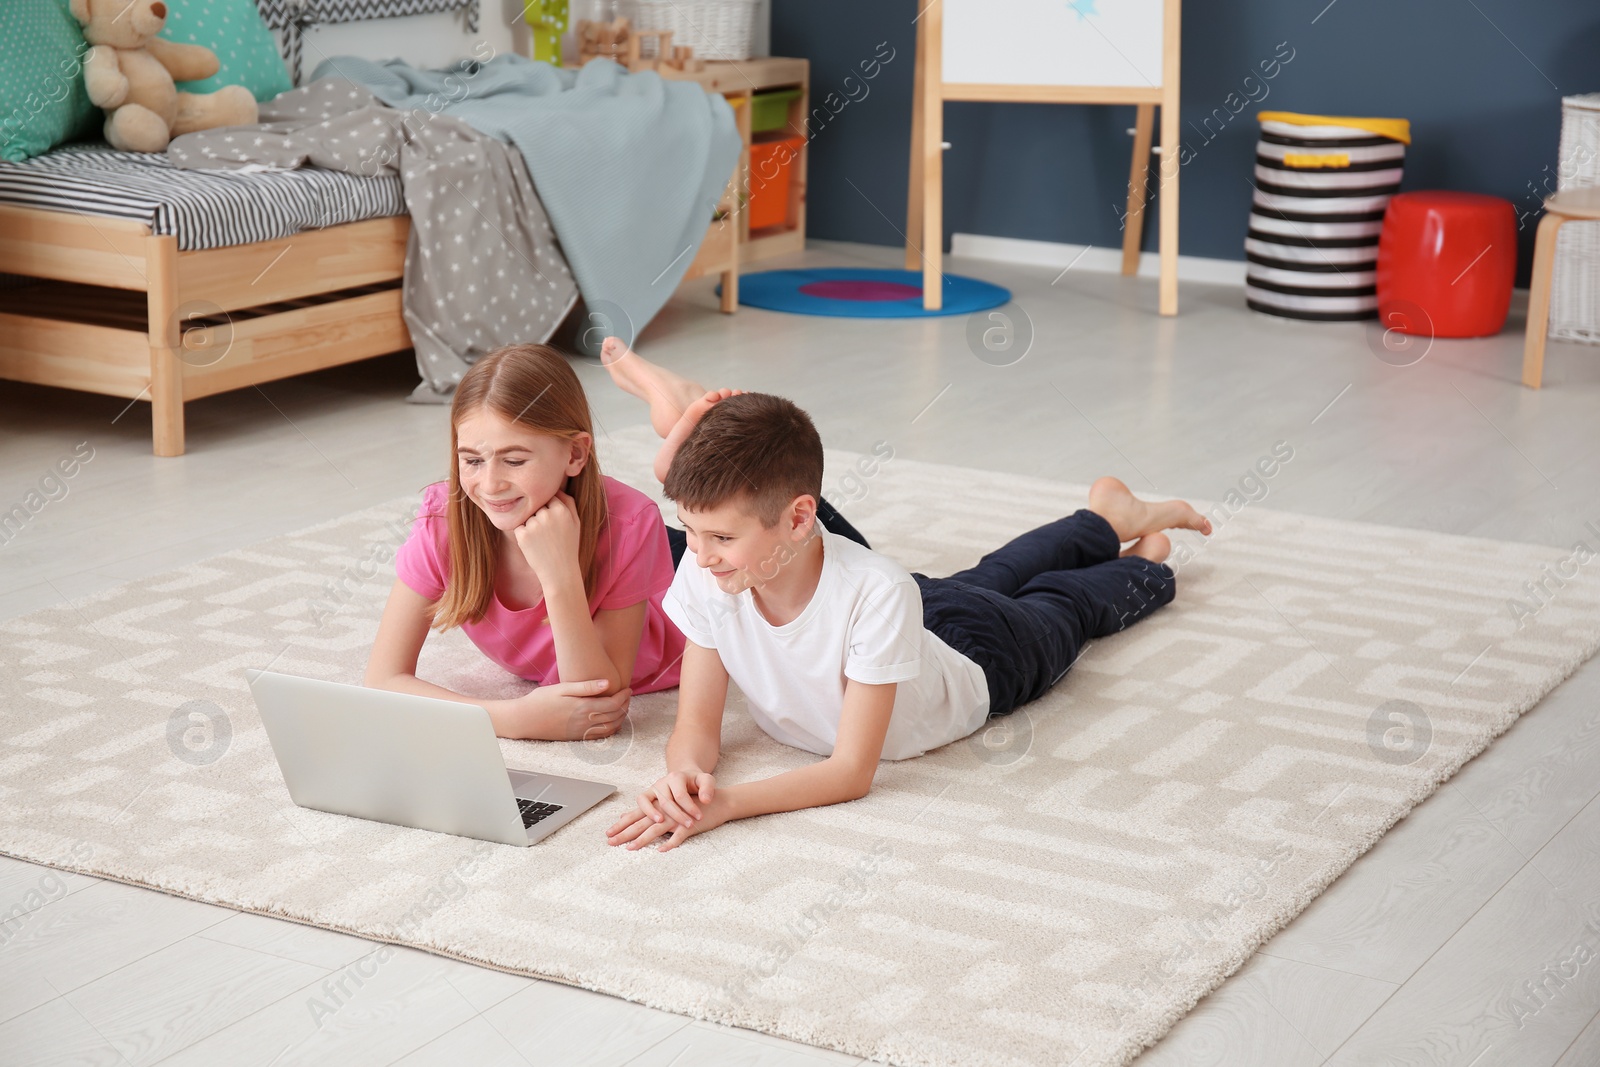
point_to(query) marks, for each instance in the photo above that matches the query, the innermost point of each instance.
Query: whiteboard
(1053, 42)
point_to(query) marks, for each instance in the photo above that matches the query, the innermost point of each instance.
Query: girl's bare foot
(1133, 518)
(1155, 547)
(668, 394)
(680, 431)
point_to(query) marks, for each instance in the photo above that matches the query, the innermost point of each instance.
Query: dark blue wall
(1480, 80)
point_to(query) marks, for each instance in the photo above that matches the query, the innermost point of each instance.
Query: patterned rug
(1060, 888)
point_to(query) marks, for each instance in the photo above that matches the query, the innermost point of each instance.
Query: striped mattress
(203, 209)
(1320, 195)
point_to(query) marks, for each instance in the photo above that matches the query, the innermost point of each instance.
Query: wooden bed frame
(123, 312)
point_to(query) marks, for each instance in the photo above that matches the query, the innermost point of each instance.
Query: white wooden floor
(1470, 935)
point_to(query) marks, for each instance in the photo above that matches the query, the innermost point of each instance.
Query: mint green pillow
(234, 31)
(42, 98)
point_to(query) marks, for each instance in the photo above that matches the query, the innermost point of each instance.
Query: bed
(133, 279)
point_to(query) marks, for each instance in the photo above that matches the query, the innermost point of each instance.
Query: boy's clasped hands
(680, 805)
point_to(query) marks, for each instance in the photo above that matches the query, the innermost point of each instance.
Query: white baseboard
(1091, 258)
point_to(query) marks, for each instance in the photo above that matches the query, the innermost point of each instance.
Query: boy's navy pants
(1025, 612)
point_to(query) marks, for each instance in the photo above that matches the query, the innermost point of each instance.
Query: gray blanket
(482, 268)
(629, 166)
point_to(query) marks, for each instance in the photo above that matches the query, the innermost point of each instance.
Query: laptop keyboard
(535, 811)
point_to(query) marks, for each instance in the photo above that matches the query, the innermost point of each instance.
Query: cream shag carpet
(1061, 888)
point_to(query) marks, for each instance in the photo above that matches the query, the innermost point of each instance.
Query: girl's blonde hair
(532, 385)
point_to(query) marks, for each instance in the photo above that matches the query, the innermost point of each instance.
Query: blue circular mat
(853, 293)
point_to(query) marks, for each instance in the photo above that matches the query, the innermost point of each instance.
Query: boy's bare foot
(668, 394)
(680, 431)
(1133, 518)
(1155, 547)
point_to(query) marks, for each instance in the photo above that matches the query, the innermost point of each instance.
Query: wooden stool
(1564, 206)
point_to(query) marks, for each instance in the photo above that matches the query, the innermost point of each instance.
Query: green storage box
(770, 110)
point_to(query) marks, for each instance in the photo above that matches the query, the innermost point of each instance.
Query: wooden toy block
(620, 41)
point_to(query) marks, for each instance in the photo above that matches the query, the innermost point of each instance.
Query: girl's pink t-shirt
(635, 563)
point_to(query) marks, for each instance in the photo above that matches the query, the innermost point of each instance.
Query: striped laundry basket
(1322, 185)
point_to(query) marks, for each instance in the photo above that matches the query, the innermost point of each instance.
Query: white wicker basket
(715, 29)
(1575, 290)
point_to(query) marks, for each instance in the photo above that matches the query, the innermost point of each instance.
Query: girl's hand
(685, 425)
(549, 541)
(566, 711)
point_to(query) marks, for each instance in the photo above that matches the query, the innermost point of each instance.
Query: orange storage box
(770, 166)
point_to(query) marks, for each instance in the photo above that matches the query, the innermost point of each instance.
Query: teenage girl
(553, 570)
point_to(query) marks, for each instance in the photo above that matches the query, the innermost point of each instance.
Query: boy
(840, 651)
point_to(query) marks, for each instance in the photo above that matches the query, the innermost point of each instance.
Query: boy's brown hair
(754, 446)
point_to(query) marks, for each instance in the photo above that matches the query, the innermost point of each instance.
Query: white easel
(1045, 51)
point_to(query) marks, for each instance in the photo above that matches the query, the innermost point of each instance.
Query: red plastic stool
(1446, 262)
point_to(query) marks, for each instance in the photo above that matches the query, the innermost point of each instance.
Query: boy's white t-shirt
(863, 622)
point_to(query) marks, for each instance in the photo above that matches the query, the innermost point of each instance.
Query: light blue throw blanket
(630, 167)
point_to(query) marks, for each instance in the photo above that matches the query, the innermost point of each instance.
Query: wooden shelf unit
(738, 82)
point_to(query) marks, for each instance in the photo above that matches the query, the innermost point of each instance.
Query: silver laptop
(411, 760)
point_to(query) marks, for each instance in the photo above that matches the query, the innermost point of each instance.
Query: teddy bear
(131, 73)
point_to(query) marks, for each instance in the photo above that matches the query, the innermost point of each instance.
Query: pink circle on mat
(846, 289)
